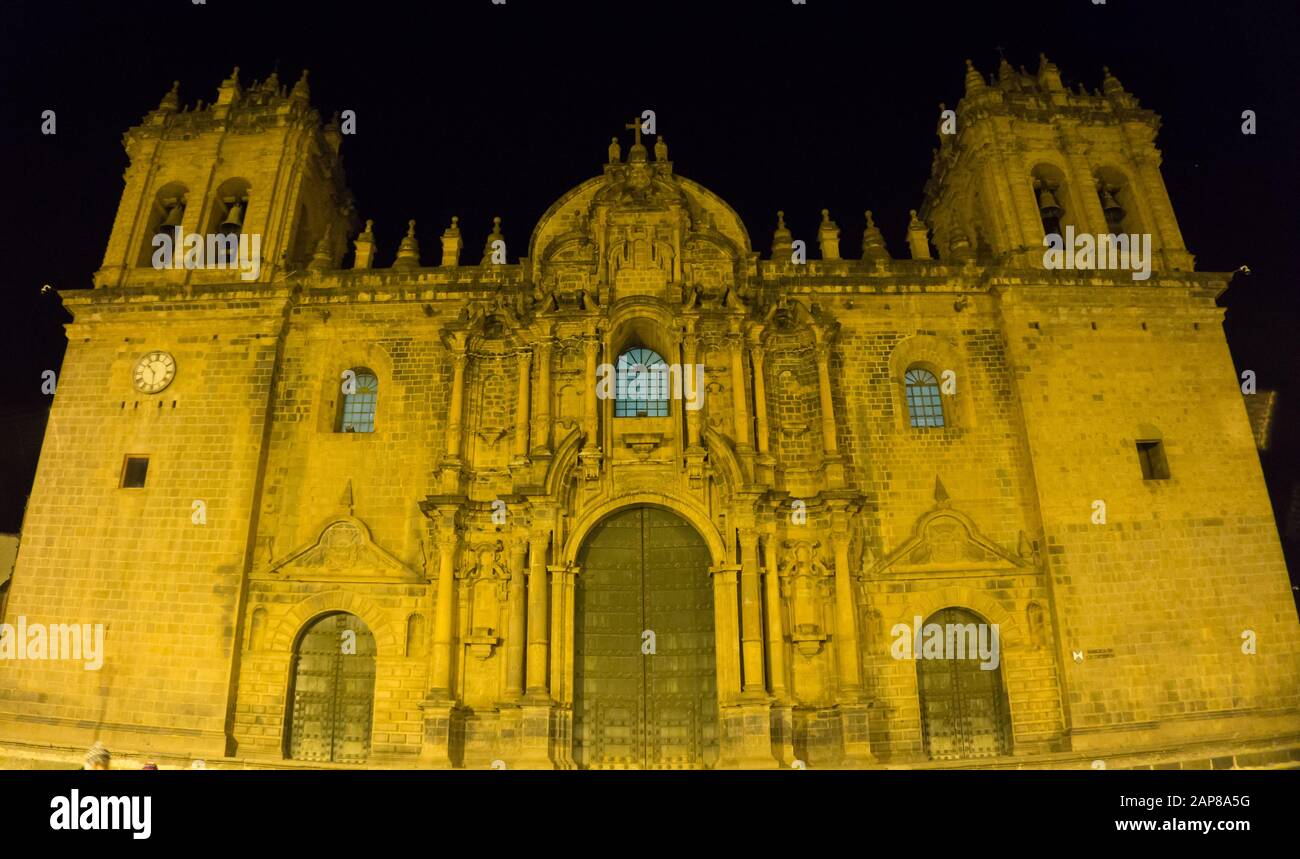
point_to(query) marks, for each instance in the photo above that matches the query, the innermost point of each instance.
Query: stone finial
(408, 252)
(941, 497)
(974, 81)
(782, 240)
(918, 237)
(661, 148)
(300, 89)
(873, 243)
(365, 247)
(229, 92)
(615, 151)
(828, 237)
(451, 243)
(492, 238)
(171, 102)
(1049, 76)
(1110, 84)
(323, 258)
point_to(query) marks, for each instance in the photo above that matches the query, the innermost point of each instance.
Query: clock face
(154, 372)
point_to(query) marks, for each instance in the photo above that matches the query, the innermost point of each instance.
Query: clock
(154, 372)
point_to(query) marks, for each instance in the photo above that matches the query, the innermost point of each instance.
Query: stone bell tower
(1029, 157)
(254, 163)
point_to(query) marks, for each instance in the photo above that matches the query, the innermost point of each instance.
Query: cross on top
(635, 125)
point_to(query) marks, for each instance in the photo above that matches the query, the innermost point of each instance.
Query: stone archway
(645, 672)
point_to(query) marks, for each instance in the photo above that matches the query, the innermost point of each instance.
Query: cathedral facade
(647, 497)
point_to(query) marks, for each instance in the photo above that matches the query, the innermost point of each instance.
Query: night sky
(478, 110)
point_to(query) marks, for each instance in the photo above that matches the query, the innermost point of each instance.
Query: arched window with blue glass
(924, 400)
(640, 384)
(360, 400)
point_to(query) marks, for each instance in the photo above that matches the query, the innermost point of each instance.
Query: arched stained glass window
(924, 401)
(360, 399)
(641, 385)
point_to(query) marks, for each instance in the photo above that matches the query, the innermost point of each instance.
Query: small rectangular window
(133, 473)
(1151, 454)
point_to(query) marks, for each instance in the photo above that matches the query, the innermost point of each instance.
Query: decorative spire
(782, 240)
(873, 243)
(1005, 72)
(661, 148)
(171, 102)
(271, 84)
(323, 258)
(408, 253)
(300, 89)
(940, 493)
(974, 80)
(1110, 84)
(615, 151)
(451, 243)
(365, 246)
(828, 237)
(918, 238)
(492, 238)
(1049, 76)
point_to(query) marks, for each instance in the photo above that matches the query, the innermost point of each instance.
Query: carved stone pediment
(945, 540)
(344, 551)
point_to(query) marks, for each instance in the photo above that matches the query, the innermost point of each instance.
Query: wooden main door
(333, 691)
(963, 707)
(645, 680)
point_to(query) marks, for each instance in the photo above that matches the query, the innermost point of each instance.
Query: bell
(173, 219)
(234, 218)
(1113, 211)
(1047, 205)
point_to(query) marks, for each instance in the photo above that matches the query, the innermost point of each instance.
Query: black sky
(479, 110)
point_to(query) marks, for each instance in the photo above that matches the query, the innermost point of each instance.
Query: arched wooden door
(644, 570)
(332, 691)
(964, 711)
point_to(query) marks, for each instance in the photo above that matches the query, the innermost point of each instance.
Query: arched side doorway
(644, 701)
(964, 711)
(332, 691)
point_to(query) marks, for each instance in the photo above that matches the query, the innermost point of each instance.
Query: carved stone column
(445, 608)
(591, 419)
(522, 405)
(727, 650)
(751, 618)
(738, 406)
(452, 463)
(690, 351)
(515, 644)
(775, 626)
(830, 444)
(542, 407)
(538, 623)
(756, 352)
(440, 715)
(456, 408)
(782, 715)
(852, 704)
